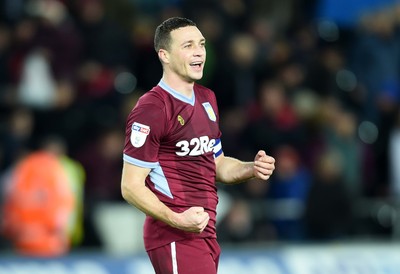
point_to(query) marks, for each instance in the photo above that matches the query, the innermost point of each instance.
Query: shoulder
(153, 98)
(149, 109)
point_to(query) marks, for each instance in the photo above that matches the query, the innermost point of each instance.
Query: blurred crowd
(321, 98)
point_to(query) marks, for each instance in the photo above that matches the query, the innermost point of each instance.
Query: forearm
(232, 171)
(146, 201)
(135, 192)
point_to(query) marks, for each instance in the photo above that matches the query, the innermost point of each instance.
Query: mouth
(197, 65)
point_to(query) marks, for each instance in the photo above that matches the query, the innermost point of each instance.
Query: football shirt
(177, 138)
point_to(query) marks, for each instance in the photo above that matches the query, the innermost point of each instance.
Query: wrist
(173, 218)
(251, 170)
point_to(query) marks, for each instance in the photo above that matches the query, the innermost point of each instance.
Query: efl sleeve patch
(139, 134)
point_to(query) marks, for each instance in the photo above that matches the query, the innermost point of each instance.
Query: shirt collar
(176, 94)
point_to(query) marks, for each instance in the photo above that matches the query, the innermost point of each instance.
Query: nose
(199, 50)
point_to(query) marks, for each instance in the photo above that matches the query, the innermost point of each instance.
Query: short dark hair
(162, 36)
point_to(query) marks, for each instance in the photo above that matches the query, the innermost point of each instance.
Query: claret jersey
(177, 138)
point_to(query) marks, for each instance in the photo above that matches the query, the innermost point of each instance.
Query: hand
(264, 165)
(194, 219)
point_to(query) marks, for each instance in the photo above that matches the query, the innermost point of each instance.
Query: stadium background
(313, 82)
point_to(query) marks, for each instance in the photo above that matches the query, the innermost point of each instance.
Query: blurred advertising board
(328, 259)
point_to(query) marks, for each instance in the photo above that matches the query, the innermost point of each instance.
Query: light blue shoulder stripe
(156, 174)
(160, 182)
(176, 94)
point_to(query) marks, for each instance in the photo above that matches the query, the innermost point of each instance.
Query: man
(173, 157)
(39, 206)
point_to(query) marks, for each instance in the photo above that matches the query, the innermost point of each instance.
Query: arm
(231, 170)
(135, 192)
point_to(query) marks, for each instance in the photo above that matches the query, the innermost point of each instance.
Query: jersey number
(196, 146)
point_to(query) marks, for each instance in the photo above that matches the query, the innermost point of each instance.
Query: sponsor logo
(139, 134)
(196, 146)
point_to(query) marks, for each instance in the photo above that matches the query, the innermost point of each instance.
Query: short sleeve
(144, 129)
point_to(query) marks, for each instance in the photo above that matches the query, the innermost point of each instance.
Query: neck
(183, 87)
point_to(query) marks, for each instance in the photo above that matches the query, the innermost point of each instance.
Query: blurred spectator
(76, 178)
(344, 133)
(47, 77)
(211, 26)
(238, 225)
(265, 34)
(238, 77)
(394, 159)
(321, 74)
(102, 162)
(17, 136)
(328, 212)
(243, 53)
(23, 36)
(305, 44)
(292, 76)
(273, 120)
(11, 10)
(278, 12)
(287, 193)
(234, 123)
(105, 41)
(5, 48)
(341, 136)
(37, 87)
(376, 60)
(145, 63)
(38, 207)
(105, 49)
(235, 13)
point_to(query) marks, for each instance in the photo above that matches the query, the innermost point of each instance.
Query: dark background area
(314, 84)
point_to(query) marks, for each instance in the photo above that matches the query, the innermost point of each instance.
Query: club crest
(210, 112)
(139, 134)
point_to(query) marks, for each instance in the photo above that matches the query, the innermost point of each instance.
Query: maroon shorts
(186, 257)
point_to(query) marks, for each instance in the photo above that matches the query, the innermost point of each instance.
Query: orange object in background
(38, 206)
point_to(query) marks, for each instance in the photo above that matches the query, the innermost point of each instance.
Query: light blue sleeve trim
(139, 163)
(156, 174)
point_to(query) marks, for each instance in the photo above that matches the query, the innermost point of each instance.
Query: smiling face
(186, 54)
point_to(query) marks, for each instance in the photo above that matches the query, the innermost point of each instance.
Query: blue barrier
(330, 259)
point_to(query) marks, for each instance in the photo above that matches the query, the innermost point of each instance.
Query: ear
(163, 55)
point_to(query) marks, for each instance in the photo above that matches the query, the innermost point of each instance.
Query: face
(187, 54)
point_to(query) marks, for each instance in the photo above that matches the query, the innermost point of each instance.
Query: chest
(192, 129)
